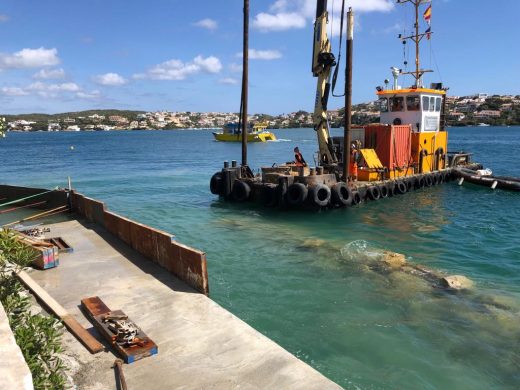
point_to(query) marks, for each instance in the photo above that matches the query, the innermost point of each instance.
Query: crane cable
(336, 70)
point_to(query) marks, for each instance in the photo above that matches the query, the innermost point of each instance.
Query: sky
(176, 55)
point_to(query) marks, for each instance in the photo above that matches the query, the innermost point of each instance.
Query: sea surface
(310, 281)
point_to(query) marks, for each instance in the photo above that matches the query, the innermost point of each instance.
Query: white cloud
(278, 22)
(47, 74)
(89, 95)
(262, 54)
(109, 79)
(65, 87)
(235, 68)
(178, 70)
(207, 23)
(228, 80)
(290, 14)
(4, 18)
(29, 58)
(13, 91)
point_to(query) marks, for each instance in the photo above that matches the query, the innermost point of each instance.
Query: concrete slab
(201, 345)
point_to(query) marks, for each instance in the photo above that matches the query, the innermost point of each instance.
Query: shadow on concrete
(148, 266)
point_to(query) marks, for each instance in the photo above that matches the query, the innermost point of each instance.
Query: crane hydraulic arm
(322, 63)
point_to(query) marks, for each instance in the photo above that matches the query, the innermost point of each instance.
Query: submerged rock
(456, 282)
(393, 259)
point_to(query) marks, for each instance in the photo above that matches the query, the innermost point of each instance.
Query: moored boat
(486, 179)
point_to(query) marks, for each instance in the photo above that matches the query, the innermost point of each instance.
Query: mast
(348, 96)
(417, 37)
(245, 72)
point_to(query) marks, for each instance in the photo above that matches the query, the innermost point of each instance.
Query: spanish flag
(428, 14)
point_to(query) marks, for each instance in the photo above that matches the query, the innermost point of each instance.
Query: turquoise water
(308, 280)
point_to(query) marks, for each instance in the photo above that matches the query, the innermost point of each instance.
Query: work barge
(406, 151)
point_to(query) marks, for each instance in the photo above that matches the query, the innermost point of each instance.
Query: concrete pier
(201, 345)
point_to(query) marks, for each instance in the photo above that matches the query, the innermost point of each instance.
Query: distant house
(487, 114)
(118, 119)
(97, 117)
(69, 120)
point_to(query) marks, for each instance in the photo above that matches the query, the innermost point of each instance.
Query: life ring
(383, 190)
(341, 194)
(373, 193)
(215, 184)
(356, 198)
(319, 195)
(400, 187)
(241, 191)
(428, 180)
(419, 183)
(296, 194)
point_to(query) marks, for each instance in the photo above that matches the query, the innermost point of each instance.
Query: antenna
(417, 74)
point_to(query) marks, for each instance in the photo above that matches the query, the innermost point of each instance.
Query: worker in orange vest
(298, 158)
(353, 166)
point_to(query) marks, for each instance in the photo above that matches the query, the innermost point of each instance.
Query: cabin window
(383, 105)
(413, 103)
(432, 103)
(397, 104)
(425, 103)
(438, 104)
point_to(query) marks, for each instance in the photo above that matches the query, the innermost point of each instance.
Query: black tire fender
(409, 182)
(319, 195)
(373, 193)
(215, 184)
(296, 194)
(400, 187)
(241, 191)
(383, 190)
(419, 182)
(341, 194)
(356, 198)
(428, 180)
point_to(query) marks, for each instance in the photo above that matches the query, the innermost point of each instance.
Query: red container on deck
(393, 144)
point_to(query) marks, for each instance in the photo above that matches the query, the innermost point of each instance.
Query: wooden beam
(70, 322)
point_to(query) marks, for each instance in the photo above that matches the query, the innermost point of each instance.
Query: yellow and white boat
(257, 133)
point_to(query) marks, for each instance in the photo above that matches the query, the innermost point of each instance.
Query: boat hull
(253, 137)
(502, 182)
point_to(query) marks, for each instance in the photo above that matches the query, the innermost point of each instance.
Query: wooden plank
(98, 312)
(70, 322)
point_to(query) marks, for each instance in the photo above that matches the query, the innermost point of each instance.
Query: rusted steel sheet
(54, 198)
(94, 210)
(186, 263)
(118, 226)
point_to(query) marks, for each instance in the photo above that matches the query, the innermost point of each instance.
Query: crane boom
(322, 62)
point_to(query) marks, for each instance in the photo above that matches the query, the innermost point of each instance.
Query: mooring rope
(27, 197)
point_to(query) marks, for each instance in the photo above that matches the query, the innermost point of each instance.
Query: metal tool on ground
(83, 336)
(121, 332)
(118, 365)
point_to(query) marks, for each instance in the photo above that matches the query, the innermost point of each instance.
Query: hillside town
(471, 110)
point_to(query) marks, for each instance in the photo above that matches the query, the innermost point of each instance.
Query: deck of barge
(201, 345)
